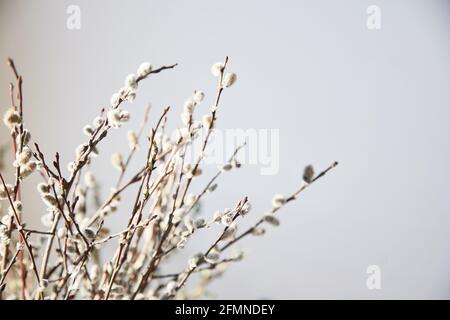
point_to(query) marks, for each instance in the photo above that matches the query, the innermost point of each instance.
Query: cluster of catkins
(65, 259)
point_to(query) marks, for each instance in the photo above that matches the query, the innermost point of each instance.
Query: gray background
(377, 101)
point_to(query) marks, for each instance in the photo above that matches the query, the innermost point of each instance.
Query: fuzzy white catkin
(179, 134)
(185, 118)
(171, 286)
(131, 96)
(271, 219)
(198, 96)
(182, 243)
(71, 167)
(258, 231)
(226, 220)
(87, 130)
(132, 139)
(61, 233)
(238, 256)
(207, 121)
(308, 174)
(23, 157)
(89, 233)
(50, 200)
(26, 136)
(229, 233)
(117, 116)
(80, 150)
(47, 220)
(43, 188)
(89, 180)
(189, 106)
(217, 68)
(212, 257)
(278, 201)
(190, 199)
(113, 118)
(199, 223)
(52, 181)
(117, 161)
(39, 165)
(227, 167)
(193, 262)
(123, 90)
(115, 98)
(213, 187)
(124, 116)
(217, 216)
(229, 79)
(189, 224)
(12, 118)
(6, 220)
(130, 81)
(246, 208)
(95, 273)
(27, 169)
(180, 213)
(144, 69)
(98, 121)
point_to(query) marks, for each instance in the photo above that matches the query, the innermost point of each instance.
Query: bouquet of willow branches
(66, 259)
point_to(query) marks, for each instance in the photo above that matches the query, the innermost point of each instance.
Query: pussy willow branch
(59, 214)
(157, 255)
(18, 148)
(238, 209)
(213, 119)
(102, 130)
(162, 186)
(135, 179)
(22, 234)
(98, 135)
(95, 139)
(294, 196)
(197, 270)
(124, 245)
(216, 176)
(213, 179)
(133, 150)
(203, 192)
(154, 260)
(40, 156)
(78, 264)
(197, 164)
(128, 229)
(168, 170)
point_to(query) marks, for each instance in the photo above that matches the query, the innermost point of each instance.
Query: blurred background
(378, 101)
